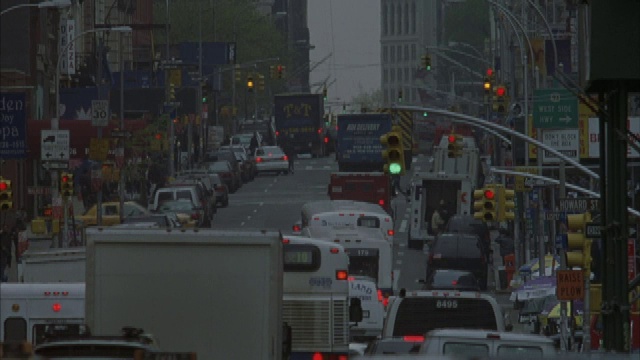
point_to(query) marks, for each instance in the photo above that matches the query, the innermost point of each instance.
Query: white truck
(216, 292)
(54, 265)
(451, 181)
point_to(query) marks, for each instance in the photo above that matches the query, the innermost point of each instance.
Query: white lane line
(242, 223)
(249, 217)
(402, 244)
(403, 226)
(255, 210)
(400, 253)
(260, 204)
(266, 190)
(398, 262)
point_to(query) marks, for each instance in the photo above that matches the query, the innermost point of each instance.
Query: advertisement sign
(71, 50)
(564, 141)
(13, 126)
(633, 125)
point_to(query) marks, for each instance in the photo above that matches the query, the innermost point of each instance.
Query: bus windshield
(363, 262)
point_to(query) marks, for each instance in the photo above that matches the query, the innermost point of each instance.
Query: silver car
(271, 158)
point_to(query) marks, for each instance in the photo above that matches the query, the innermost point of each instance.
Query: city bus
(346, 213)
(369, 252)
(26, 309)
(316, 298)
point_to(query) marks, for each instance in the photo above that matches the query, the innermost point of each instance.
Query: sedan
(189, 215)
(446, 279)
(111, 213)
(224, 169)
(271, 158)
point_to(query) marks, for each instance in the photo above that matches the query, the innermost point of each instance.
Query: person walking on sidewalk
(290, 151)
(8, 239)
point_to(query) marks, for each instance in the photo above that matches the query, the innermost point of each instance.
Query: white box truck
(215, 292)
(54, 265)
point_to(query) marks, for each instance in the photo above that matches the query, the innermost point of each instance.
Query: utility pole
(167, 98)
(99, 89)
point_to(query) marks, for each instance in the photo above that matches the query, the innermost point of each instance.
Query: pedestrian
(253, 145)
(7, 237)
(290, 151)
(437, 219)
(506, 244)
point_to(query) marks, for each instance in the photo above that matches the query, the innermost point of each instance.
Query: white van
(371, 298)
(487, 344)
(346, 213)
(414, 313)
(26, 309)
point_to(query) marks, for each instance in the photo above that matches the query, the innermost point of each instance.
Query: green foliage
(468, 22)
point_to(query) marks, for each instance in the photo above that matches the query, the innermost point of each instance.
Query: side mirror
(355, 310)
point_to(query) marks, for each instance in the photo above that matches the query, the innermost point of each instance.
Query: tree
(369, 100)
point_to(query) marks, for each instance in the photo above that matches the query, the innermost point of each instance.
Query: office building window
(384, 54)
(414, 56)
(399, 19)
(406, 53)
(392, 75)
(384, 19)
(385, 76)
(392, 19)
(406, 18)
(392, 54)
(413, 17)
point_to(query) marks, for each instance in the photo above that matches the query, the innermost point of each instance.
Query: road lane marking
(403, 226)
(402, 244)
(242, 223)
(400, 253)
(255, 210)
(260, 204)
(398, 262)
(249, 217)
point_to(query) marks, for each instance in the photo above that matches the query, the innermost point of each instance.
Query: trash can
(510, 266)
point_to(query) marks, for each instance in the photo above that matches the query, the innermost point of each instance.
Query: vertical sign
(64, 69)
(13, 126)
(631, 254)
(71, 52)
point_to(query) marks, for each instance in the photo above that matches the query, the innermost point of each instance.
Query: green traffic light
(425, 114)
(395, 168)
(204, 99)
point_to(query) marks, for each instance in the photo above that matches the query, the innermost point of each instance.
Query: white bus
(346, 213)
(26, 309)
(316, 298)
(370, 254)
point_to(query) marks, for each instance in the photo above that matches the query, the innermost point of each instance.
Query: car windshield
(176, 206)
(219, 166)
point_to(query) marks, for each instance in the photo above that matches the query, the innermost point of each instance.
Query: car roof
(458, 236)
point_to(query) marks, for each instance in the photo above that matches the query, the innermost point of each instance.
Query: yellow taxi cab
(111, 213)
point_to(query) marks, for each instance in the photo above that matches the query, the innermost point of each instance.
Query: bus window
(15, 329)
(363, 262)
(369, 222)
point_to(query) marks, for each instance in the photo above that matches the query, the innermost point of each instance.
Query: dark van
(459, 252)
(467, 224)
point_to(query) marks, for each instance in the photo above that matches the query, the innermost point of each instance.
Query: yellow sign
(175, 77)
(519, 184)
(584, 113)
(98, 149)
(570, 284)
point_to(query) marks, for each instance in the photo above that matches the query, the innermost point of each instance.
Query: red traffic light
(3, 186)
(158, 136)
(489, 72)
(489, 194)
(279, 68)
(451, 138)
(65, 179)
(501, 91)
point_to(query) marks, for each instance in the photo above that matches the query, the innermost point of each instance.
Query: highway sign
(54, 145)
(99, 112)
(555, 109)
(592, 230)
(579, 205)
(570, 284)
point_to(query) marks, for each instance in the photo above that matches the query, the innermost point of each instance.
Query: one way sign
(54, 145)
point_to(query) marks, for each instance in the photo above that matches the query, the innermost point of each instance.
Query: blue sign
(562, 241)
(13, 126)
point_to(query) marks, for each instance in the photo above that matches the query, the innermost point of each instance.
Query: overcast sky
(350, 31)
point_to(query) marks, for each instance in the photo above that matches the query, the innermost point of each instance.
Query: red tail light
(285, 240)
(317, 356)
(381, 202)
(296, 228)
(319, 131)
(285, 158)
(390, 232)
(385, 302)
(326, 139)
(258, 159)
(380, 297)
(277, 133)
(342, 274)
(454, 282)
(413, 338)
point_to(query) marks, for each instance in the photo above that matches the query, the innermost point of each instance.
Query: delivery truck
(215, 292)
(358, 146)
(52, 265)
(299, 122)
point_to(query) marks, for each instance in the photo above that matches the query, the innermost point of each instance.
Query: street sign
(555, 109)
(565, 141)
(531, 182)
(98, 149)
(120, 134)
(99, 112)
(562, 241)
(38, 190)
(58, 165)
(570, 285)
(54, 145)
(592, 230)
(579, 205)
(520, 182)
(554, 216)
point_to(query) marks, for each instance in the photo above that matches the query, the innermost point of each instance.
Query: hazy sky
(350, 31)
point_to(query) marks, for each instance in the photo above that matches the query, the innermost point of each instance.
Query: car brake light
(277, 133)
(317, 356)
(413, 338)
(56, 307)
(380, 297)
(326, 140)
(258, 159)
(319, 131)
(334, 250)
(385, 302)
(381, 202)
(296, 228)
(454, 282)
(286, 241)
(342, 274)
(285, 158)
(390, 232)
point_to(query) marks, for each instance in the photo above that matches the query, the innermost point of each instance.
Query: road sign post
(54, 145)
(100, 112)
(570, 285)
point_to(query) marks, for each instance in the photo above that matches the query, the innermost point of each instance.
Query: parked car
(467, 224)
(220, 187)
(207, 188)
(230, 172)
(191, 192)
(184, 210)
(271, 158)
(111, 213)
(459, 252)
(247, 165)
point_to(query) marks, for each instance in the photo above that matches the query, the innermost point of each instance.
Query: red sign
(631, 255)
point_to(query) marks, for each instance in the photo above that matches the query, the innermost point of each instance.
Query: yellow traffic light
(456, 146)
(487, 85)
(260, 82)
(66, 184)
(172, 92)
(250, 84)
(579, 246)
(6, 194)
(393, 152)
(478, 204)
(507, 204)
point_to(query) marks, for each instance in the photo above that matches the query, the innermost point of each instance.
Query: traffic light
(172, 92)
(250, 84)
(456, 145)
(273, 72)
(426, 62)
(393, 152)
(501, 103)
(238, 73)
(579, 246)
(205, 93)
(6, 194)
(484, 204)
(66, 184)
(280, 71)
(399, 95)
(507, 204)
(487, 85)
(260, 82)
(324, 93)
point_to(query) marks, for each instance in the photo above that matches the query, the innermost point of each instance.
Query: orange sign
(570, 285)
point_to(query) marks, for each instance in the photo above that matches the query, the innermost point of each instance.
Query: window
(406, 53)
(110, 210)
(393, 53)
(384, 54)
(514, 351)
(399, 20)
(413, 52)
(183, 195)
(385, 9)
(15, 329)
(385, 76)
(406, 18)
(363, 262)
(392, 75)
(369, 222)
(413, 18)
(406, 73)
(392, 22)
(475, 350)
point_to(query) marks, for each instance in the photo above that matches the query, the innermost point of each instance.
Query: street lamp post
(55, 121)
(41, 5)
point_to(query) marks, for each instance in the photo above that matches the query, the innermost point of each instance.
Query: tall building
(291, 20)
(408, 28)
